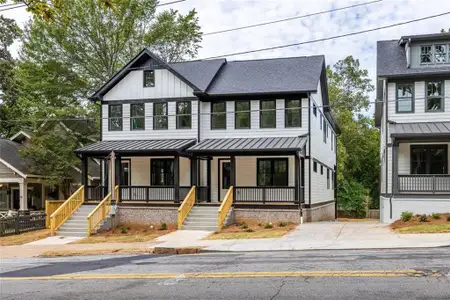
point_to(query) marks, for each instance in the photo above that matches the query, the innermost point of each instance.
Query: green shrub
(448, 218)
(249, 230)
(243, 225)
(283, 224)
(406, 216)
(124, 229)
(423, 218)
(268, 225)
(163, 226)
(436, 216)
(353, 197)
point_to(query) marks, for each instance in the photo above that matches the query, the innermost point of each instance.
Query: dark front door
(225, 178)
(16, 199)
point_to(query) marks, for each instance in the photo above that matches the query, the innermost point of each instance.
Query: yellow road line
(330, 273)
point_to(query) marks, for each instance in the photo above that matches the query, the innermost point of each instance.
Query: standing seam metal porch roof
(261, 145)
(136, 146)
(419, 129)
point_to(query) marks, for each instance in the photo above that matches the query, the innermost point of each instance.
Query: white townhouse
(261, 127)
(413, 114)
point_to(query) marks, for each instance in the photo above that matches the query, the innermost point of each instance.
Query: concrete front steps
(203, 218)
(76, 225)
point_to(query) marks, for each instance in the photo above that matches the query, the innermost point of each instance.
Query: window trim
(272, 170)
(177, 112)
(213, 113)
(131, 117)
(152, 169)
(315, 166)
(321, 169)
(413, 106)
(433, 53)
(446, 46)
(266, 110)
(286, 112)
(143, 78)
(249, 113)
(442, 97)
(155, 115)
(424, 146)
(109, 117)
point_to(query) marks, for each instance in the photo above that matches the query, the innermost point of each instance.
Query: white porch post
(23, 195)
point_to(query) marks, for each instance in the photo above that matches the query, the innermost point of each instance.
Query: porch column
(194, 176)
(233, 175)
(302, 180)
(23, 195)
(43, 194)
(208, 176)
(118, 170)
(297, 179)
(176, 179)
(395, 187)
(84, 175)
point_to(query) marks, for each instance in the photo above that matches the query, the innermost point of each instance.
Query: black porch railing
(22, 221)
(264, 194)
(151, 193)
(424, 183)
(96, 192)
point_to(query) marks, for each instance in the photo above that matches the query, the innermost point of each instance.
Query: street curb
(176, 250)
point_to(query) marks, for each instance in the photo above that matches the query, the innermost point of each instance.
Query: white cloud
(222, 14)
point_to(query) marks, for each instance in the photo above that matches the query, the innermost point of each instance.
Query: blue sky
(222, 14)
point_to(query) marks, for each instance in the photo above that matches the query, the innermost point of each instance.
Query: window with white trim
(435, 54)
(435, 96)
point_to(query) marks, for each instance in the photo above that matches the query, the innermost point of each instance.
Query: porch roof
(137, 146)
(263, 145)
(420, 129)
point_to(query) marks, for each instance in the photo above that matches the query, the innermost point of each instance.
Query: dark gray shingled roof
(199, 72)
(9, 152)
(136, 146)
(293, 74)
(253, 145)
(419, 129)
(391, 62)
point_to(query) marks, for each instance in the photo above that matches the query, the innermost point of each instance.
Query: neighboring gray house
(413, 114)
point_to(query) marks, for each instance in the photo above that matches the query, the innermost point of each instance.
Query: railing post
(434, 184)
(264, 195)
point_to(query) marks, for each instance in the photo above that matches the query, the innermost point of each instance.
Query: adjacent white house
(261, 126)
(413, 114)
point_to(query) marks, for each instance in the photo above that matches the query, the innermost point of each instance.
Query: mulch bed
(415, 221)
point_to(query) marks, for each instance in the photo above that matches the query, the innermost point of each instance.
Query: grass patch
(128, 233)
(436, 223)
(425, 228)
(252, 231)
(24, 238)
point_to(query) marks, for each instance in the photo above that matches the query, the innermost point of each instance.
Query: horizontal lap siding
(6, 172)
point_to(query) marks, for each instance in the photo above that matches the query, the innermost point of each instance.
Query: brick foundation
(267, 215)
(146, 215)
(324, 212)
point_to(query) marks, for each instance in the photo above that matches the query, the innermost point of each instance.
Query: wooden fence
(22, 221)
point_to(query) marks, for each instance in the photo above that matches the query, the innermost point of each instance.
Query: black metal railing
(264, 194)
(96, 192)
(22, 221)
(423, 183)
(203, 194)
(146, 193)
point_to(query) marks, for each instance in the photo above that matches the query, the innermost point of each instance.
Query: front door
(225, 178)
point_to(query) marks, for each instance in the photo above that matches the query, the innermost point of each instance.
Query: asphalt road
(380, 274)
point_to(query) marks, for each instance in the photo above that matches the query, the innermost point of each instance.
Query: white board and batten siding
(166, 86)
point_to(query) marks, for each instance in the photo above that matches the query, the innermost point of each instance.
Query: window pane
(280, 173)
(429, 159)
(404, 97)
(162, 172)
(160, 120)
(293, 113)
(242, 115)
(137, 116)
(264, 172)
(184, 117)
(425, 55)
(149, 78)
(435, 96)
(218, 115)
(440, 54)
(268, 114)
(115, 117)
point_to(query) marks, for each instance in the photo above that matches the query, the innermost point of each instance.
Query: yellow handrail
(225, 208)
(186, 207)
(116, 192)
(50, 207)
(100, 212)
(66, 209)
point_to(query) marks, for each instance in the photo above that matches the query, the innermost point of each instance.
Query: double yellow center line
(330, 273)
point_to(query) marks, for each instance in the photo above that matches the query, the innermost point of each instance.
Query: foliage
(448, 218)
(124, 229)
(282, 224)
(163, 226)
(358, 145)
(268, 225)
(406, 216)
(243, 225)
(423, 218)
(436, 216)
(444, 31)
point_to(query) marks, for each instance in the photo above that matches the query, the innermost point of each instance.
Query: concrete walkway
(55, 240)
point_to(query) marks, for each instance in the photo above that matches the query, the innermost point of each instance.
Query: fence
(22, 221)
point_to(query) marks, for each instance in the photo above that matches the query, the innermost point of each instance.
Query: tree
(9, 32)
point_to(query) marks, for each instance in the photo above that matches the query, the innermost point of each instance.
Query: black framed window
(293, 113)
(321, 121)
(325, 131)
(328, 179)
(149, 78)
(332, 141)
(435, 96)
(218, 115)
(184, 115)
(125, 172)
(242, 115)
(272, 172)
(160, 120)
(161, 172)
(115, 117)
(268, 114)
(426, 54)
(321, 169)
(405, 98)
(429, 159)
(315, 167)
(137, 118)
(314, 109)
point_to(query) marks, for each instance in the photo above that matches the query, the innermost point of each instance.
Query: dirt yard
(432, 225)
(247, 229)
(24, 238)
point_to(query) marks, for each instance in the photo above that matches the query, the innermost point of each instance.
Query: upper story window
(315, 167)
(293, 113)
(434, 54)
(184, 115)
(149, 78)
(314, 109)
(405, 103)
(332, 141)
(272, 172)
(325, 131)
(218, 115)
(268, 115)
(435, 96)
(115, 117)
(321, 169)
(321, 121)
(137, 119)
(328, 179)
(160, 120)
(242, 116)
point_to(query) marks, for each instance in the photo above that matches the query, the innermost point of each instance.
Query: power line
(291, 18)
(330, 38)
(172, 2)
(6, 5)
(8, 8)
